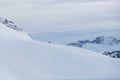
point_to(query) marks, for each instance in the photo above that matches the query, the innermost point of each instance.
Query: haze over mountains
(106, 45)
(100, 41)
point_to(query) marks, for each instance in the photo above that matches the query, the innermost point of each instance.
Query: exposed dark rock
(113, 54)
(99, 40)
(10, 24)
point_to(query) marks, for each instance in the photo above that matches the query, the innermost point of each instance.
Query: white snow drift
(25, 59)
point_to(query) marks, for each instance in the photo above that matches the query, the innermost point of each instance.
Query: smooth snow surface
(31, 60)
(24, 59)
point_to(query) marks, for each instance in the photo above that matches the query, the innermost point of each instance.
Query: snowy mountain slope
(31, 60)
(24, 59)
(11, 30)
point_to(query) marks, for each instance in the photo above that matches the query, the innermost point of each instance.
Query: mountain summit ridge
(98, 40)
(106, 45)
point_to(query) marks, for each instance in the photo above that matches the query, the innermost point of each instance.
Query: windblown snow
(24, 59)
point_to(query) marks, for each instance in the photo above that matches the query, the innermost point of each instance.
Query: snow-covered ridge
(100, 44)
(10, 24)
(9, 29)
(98, 40)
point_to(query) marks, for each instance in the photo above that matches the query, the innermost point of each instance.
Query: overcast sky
(58, 15)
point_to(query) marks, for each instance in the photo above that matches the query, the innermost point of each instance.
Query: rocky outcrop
(113, 54)
(10, 24)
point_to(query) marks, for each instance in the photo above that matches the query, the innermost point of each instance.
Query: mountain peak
(98, 40)
(106, 40)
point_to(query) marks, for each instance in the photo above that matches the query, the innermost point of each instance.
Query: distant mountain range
(106, 45)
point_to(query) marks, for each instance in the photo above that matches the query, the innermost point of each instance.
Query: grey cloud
(51, 15)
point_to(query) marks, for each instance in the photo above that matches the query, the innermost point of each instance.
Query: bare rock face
(113, 54)
(10, 24)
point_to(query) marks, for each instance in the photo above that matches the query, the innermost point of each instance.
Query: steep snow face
(9, 29)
